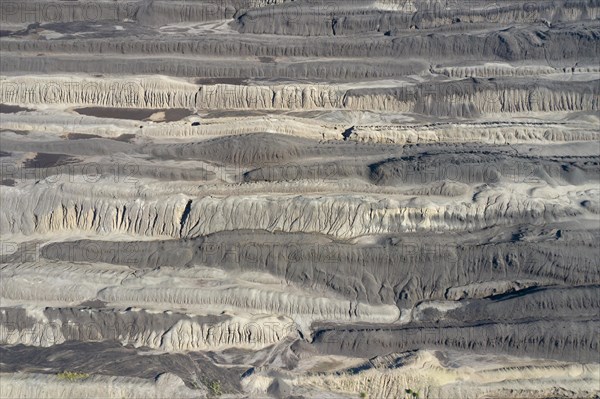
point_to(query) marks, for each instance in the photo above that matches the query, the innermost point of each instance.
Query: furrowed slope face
(273, 198)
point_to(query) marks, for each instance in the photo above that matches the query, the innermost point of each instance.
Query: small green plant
(412, 393)
(215, 388)
(363, 394)
(72, 376)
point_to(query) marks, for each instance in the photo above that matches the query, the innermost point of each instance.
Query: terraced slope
(300, 198)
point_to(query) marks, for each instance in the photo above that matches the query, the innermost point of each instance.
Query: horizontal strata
(298, 125)
(390, 17)
(48, 208)
(464, 98)
(535, 43)
(429, 324)
(156, 13)
(224, 69)
(308, 17)
(492, 133)
(408, 271)
(252, 297)
(277, 198)
(219, 68)
(139, 207)
(300, 163)
(548, 339)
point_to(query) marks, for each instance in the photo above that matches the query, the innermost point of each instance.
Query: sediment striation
(272, 198)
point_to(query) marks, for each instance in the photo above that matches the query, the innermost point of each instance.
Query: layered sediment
(272, 198)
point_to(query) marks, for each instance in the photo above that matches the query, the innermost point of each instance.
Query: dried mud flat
(300, 199)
